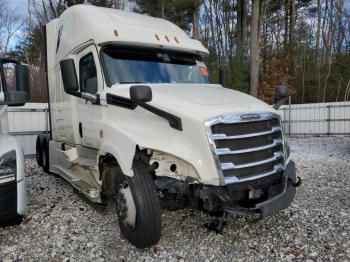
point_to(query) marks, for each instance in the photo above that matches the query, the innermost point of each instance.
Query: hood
(203, 100)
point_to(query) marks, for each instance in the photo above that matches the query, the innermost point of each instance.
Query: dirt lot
(61, 226)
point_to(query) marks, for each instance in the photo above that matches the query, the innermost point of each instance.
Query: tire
(38, 153)
(146, 229)
(45, 155)
(14, 221)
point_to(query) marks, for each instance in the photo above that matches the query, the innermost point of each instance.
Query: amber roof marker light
(157, 37)
(116, 32)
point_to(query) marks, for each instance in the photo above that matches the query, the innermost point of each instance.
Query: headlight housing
(8, 167)
(286, 149)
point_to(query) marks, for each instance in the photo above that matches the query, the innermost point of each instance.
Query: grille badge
(249, 116)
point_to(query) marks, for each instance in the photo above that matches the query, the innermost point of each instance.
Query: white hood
(203, 100)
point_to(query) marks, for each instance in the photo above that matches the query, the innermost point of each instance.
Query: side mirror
(22, 78)
(21, 95)
(69, 76)
(281, 92)
(141, 94)
(16, 98)
(282, 95)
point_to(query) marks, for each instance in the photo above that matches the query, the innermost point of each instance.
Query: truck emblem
(249, 116)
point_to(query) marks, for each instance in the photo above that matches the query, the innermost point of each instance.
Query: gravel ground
(61, 226)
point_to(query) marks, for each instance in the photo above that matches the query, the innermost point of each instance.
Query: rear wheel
(45, 154)
(138, 208)
(38, 153)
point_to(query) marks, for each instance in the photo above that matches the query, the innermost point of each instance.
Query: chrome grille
(247, 149)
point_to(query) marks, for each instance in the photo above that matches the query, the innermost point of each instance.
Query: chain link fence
(319, 119)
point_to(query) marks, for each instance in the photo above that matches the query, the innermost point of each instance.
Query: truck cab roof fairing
(111, 25)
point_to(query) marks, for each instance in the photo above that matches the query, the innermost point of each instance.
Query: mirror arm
(280, 102)
(94, 99)
(174, 121)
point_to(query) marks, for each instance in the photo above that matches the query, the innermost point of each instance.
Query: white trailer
(134, 117)
(13, 194)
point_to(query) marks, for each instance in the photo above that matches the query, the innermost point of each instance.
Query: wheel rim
(126, 206)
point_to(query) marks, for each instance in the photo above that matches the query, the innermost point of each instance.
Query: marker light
(204, 71)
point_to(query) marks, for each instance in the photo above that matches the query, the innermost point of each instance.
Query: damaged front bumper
(283, 200)
(265, 197)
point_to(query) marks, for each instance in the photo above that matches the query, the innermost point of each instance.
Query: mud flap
(284, 200)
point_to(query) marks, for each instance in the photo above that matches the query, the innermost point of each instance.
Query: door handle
(81, 129)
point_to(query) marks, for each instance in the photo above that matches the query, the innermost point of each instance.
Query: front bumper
(283, 200)
(277, 193)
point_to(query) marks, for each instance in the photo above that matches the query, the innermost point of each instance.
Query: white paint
(123, 129)
(8, 144)
(101, 23)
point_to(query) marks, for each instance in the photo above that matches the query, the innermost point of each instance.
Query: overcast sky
(19, 6)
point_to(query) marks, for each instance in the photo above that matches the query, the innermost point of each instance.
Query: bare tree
(241, 28)
(254, 49)
(196, 6)
(10, 23)
(292, 23)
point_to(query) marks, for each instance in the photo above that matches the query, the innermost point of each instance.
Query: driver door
(89, 116)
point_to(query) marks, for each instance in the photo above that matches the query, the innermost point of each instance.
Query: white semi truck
(13, 194)
(134, 117)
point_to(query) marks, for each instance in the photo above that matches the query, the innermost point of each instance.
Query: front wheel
(138, 208)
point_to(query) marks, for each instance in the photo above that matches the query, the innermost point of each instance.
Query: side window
(88, 75)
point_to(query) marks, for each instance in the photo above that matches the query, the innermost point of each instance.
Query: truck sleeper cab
(134, 117)
(13, 194)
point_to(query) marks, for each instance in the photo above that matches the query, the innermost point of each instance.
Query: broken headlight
(286, 149)
(8, 167)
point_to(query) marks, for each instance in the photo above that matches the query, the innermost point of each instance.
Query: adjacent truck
(134, 117)
(13, 194)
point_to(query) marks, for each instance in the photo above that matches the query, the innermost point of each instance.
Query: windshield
(124, 65)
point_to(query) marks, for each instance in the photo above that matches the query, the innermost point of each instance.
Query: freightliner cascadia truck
(135, 118)
(13, 194)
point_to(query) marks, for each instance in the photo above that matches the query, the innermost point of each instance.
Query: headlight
(8, 167)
